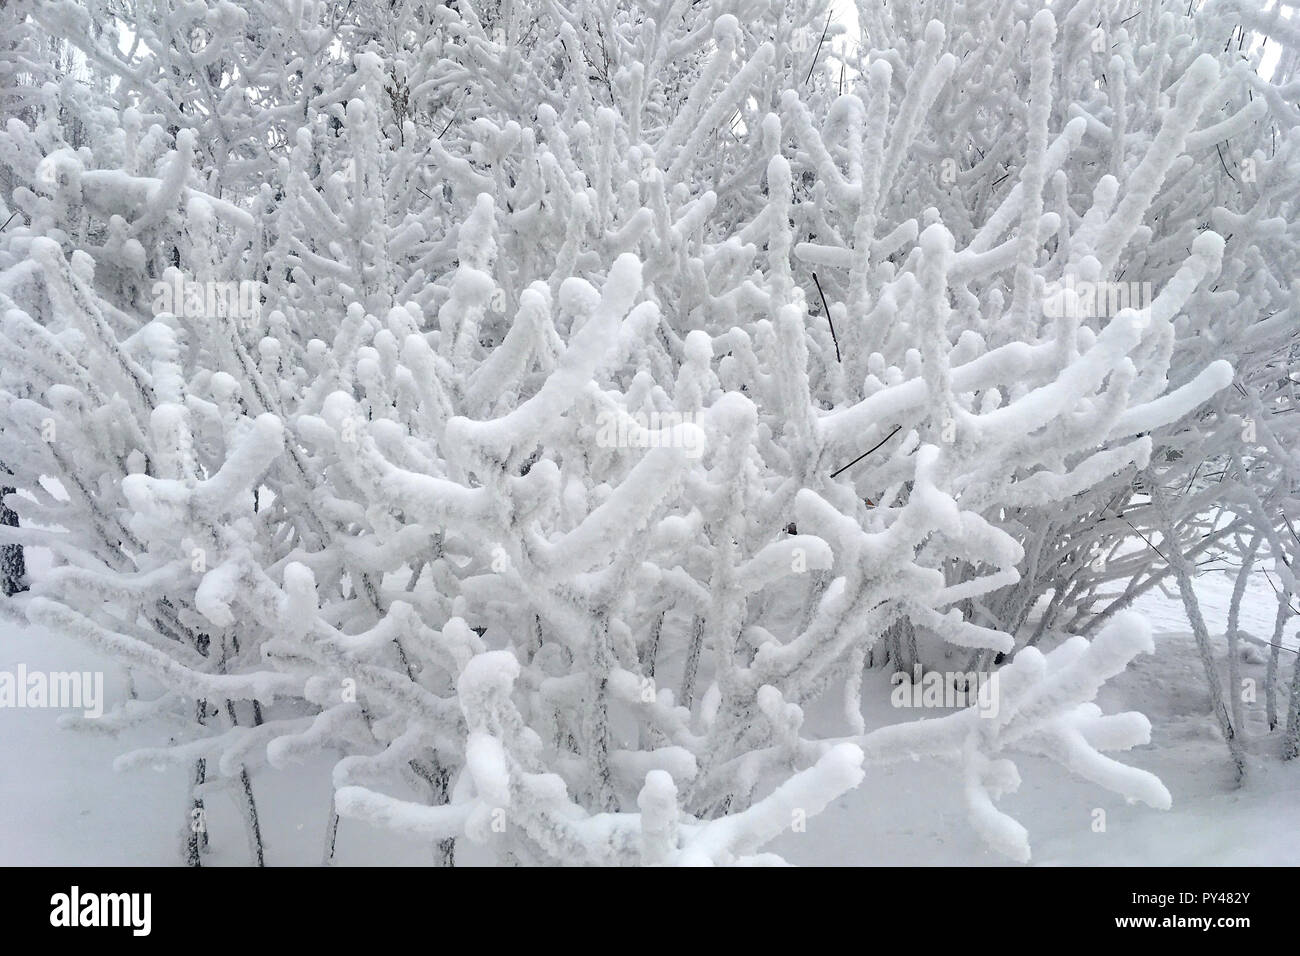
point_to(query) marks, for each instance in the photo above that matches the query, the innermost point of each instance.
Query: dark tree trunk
(13, 569)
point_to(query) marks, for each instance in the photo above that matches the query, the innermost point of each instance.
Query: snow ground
(1211, 823)
(62, 803)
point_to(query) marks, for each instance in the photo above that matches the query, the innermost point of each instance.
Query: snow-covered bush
(626, 379)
